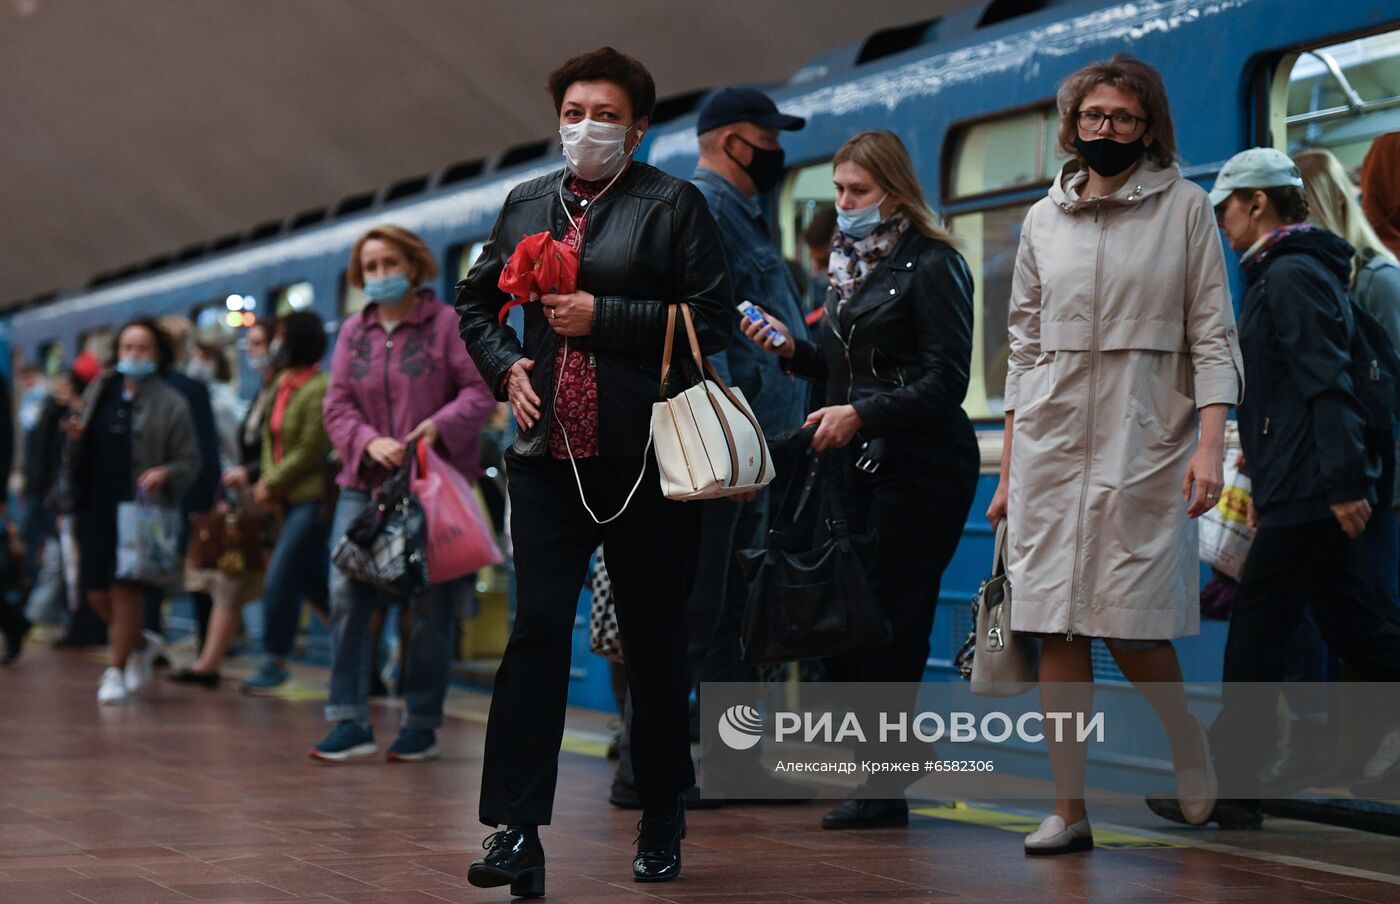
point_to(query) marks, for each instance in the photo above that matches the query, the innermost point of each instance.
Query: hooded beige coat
(1121, 327)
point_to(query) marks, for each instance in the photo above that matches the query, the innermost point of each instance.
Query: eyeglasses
(1121, 123)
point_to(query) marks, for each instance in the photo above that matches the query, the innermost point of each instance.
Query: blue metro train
(972, 96)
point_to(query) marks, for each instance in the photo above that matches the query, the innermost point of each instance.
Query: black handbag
(807, 602)
(385, 543)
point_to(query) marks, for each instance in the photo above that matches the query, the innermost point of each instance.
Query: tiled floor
(190, 795)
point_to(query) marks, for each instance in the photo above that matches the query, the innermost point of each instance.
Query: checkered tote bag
(604, 638)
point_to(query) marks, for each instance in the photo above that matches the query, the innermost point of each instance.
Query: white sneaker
(1054, 837)
(113, 687)
(140, 665)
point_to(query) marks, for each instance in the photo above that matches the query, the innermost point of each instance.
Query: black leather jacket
(901, 348)
(649, 241)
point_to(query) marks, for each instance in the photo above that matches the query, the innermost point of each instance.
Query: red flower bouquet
(538, 266)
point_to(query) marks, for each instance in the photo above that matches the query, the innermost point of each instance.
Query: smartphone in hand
(750, 310)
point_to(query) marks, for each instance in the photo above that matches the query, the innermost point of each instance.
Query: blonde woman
(1124, 362)
(893, 348)
(1332, 205)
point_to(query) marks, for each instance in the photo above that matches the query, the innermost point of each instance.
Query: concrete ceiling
(133, 128)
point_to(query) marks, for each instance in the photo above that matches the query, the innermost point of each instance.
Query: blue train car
(971, 95)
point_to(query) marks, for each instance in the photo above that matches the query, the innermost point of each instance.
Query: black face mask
(1108, 157)
(765, 168)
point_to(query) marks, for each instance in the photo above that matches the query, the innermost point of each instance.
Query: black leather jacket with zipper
(900, 350)
(649, 241)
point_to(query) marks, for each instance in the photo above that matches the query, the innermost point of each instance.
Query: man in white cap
(1314, 445)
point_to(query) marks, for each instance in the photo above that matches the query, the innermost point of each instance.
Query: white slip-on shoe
(1054, 837)
(1196, 788)
(113, 687)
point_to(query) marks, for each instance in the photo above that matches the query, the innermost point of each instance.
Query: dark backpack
(1375, 373)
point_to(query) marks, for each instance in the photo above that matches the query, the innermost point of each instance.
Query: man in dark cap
(741, 161)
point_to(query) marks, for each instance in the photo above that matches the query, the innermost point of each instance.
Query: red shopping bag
(460, 539)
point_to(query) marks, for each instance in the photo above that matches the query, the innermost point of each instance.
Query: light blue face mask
(860, 222)
(387, 290)
(136, 369)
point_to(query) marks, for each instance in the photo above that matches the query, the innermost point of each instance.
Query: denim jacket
(760, 275)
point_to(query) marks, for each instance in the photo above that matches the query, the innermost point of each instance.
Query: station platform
(193, 795)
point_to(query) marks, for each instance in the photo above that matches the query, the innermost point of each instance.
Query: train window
(1004, 153)
(51, 357)
(992, 165)
(463, 257)
(990, 238)
(352, 298)
(1339, 97)
(98, 341)
(805, 191)
(295, 297)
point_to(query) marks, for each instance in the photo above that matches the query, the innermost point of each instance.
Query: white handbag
(707, 441)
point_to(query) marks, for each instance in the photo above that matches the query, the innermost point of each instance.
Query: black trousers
(1313, 568)
(651, 552)
(918, 509)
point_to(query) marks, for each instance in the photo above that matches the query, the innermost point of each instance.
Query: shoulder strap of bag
(708, 370)
(782, 517)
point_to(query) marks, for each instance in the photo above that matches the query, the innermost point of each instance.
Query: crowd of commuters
(1121, 374)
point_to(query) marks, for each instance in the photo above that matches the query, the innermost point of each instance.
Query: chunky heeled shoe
(511, 859)
(1196, 788)
(659, 847)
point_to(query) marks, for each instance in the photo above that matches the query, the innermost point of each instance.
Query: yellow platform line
(964, 813)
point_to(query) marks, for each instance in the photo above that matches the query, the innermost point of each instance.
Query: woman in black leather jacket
(581, 382)
(893, 348)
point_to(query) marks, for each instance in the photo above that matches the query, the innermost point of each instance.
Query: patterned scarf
(1260, 250)
(853, 260)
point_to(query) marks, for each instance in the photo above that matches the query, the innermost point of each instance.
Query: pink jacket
(385, 384)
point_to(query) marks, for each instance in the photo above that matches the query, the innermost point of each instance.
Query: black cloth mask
(1108, 157)
(765, 167)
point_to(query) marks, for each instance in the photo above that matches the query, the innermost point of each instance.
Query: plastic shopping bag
(1225, 532)
(459, 534)
(148, 544)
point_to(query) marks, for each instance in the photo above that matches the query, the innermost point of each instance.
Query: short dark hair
(1289, 200)
(606, 65)
(266, 325)
(223, 372)
(822, 228)
(165, 349)
(303, 338)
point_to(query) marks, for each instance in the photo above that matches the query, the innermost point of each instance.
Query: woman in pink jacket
(399, 374)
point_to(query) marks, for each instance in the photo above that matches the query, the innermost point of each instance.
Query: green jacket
(300, 475)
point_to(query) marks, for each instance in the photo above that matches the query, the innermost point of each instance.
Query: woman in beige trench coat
(1122, 342)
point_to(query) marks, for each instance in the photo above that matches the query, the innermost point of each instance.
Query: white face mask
(595, 150)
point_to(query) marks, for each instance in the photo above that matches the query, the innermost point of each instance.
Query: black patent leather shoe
(865, 813)
(659, 847)
(511, 859)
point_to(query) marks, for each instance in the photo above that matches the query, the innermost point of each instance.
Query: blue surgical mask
(136, 368)
(861, 221)
(387, 290)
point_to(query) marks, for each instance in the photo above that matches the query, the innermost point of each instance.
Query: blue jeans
(296, 572)
(424, 683)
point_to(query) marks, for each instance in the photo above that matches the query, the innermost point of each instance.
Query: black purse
(806, 602)
(384, 545)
